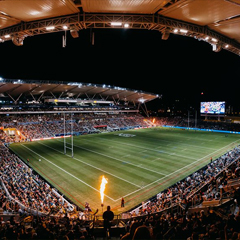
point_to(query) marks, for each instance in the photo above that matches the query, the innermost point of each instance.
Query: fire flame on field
(102, 187)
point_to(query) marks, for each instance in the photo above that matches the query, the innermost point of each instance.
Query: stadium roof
(214, 21)
(36, 90)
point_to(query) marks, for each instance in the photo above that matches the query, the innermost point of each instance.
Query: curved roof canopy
(36, 90)
(214, 21)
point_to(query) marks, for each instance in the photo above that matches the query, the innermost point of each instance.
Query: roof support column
(144, 108)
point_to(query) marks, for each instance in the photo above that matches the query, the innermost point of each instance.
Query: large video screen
(212, 108)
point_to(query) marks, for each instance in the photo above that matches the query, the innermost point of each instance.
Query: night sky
(178, 68)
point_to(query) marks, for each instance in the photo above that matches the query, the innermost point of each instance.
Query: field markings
(192, 138)
(156, 159)
(65, 171)
(197, 160)
(105, 155)
(151, 149)
(184, 149)
(114, 200)
(178, 170)
(91, 165)
(174, 142)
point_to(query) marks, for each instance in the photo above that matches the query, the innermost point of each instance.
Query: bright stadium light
(50, 28)
(183, 30)
(116, 24)
(18, 40)
(216, 47)
(142, 100)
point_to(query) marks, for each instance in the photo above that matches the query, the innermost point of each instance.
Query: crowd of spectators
(44, 228)
(189, 191)
(35, 126)
(45, 126)
(202, 225)
(26, 188)
(159, 221)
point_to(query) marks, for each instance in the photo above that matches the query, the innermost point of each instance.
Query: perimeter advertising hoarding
(212, 108)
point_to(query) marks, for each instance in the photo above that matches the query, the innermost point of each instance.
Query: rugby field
(137, 163)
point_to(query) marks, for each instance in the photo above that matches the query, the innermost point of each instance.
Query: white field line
(91, 166)
(171, 143)
(177, 170)
(155, 180)
(67, 172)
(119, 160)
(151, 149)
(192, 138)
(155, 159)
(190, 149)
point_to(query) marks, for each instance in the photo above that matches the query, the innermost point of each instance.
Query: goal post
(65, 144)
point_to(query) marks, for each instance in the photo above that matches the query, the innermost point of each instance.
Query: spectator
(122, 202)
(142, 232)
(107, 219)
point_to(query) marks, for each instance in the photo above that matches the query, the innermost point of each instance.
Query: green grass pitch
(138, 163)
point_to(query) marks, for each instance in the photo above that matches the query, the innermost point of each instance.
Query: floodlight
(183, 30)
(216, 47)
(116, 24)
(142, 100)
(74, 33)
(17, 40)
(165, 35)
(50, 28)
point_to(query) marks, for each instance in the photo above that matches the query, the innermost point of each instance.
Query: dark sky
(179, 68)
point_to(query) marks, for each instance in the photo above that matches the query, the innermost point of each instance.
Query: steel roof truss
(138, 21)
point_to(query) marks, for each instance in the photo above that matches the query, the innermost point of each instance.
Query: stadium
(70, 149)
(65, 144)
